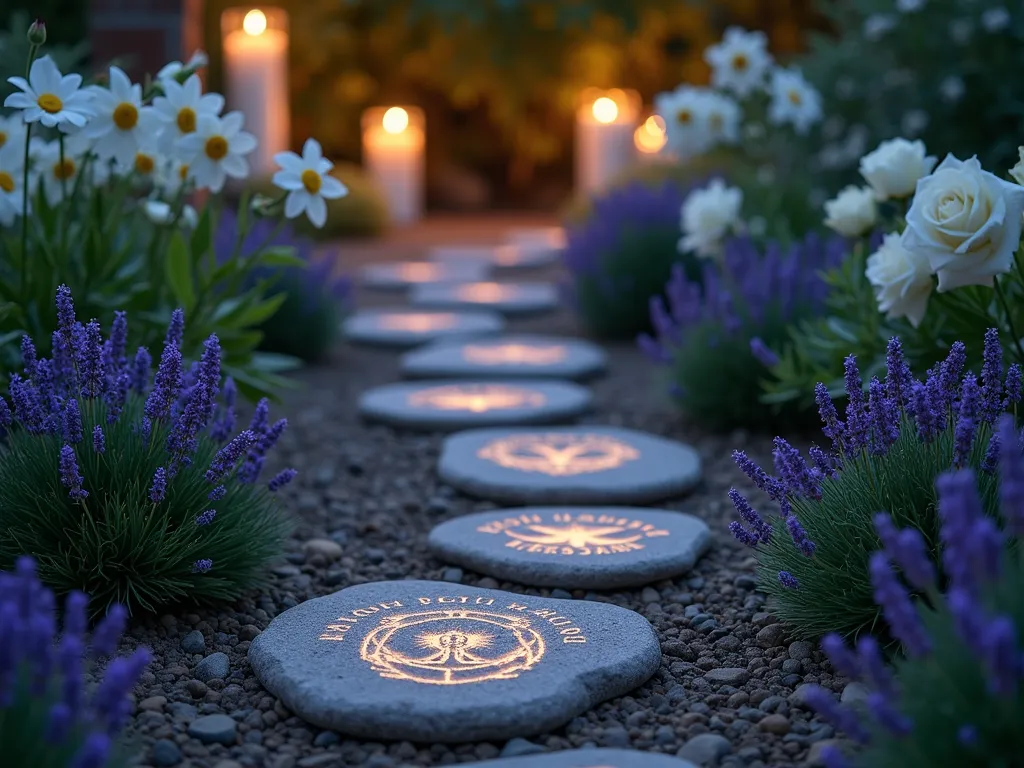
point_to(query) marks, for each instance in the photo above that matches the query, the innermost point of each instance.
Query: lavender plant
(955, 696)
(49, 715)
(623, 254)
(894, 441)
(717, 337)
(129, 488)
(308, 321)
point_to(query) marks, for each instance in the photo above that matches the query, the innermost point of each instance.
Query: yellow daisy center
(3, 138)
(216, 148)
(6, 182)
(183, 171)
(144, 163)
(740, 62)
(795, 98)
(311, 181)
(64, 169)
(126, 116)
(186, 120)
(50, 102)
(684, 116)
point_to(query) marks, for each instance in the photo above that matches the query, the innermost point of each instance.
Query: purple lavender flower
(72, 422)
(228, 456)
(166, 385)
(1013, 387)
(826, 465)
(832, 757)
(6, 417)
(116, 346)
(897, 608)
(218, 493)
(158, 489)
(971, 542)
(990, 463)
(69, 474)
(967, 735)
(887, 715)
(833, 428)
(140, 370)
(94, 752)
(207, 517)
(29, 358)
(788, 580)
(222, 427)
(59, 723)
(884, 419)
(65, 310)
(107, 635)
(99, 440)
(966, 422)
(991, 401)
(183, 440)
(202, 566)
(799, 536)
(281, 479)
(949, 374)
(760, 531)
(907, 549)
(762, 353)
(1011, 477)
(774, 489)
(89, 362)
(175, 329)
(844, 661)
(27, 407)
(824, 703)
(898, 378)
(855, 435)
(117, 395)
(873, 667)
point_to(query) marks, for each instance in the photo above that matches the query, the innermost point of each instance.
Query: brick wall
(145, 34)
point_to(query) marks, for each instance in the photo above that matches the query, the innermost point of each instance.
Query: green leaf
(178, 269)
(202, 238)
(280, 256)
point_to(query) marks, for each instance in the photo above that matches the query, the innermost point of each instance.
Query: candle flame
(650, 137)
(605, 110)
(395, 120)
(255, 22)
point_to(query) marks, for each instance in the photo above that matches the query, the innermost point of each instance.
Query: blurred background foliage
(65, 30)
(498, 79)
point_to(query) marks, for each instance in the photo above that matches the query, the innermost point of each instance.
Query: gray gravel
(730, 689)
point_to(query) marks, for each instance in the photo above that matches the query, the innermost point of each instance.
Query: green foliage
(935, 73)
(308, 323)
(117, 545)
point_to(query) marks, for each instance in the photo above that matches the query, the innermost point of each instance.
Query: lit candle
(605, 122)
(394, 142)
(256, 69)
(650, 139)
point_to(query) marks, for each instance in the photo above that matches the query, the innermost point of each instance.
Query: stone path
(401, 327)
(508, 356)
(511, 299)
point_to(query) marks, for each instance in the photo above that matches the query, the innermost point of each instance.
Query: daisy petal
(296, 203)
(20, 82)
(19, 101)
(323, 166)
(120, 85)
(289, 161)
(234, 166)
(311, 151)
(211, 103)
(232, 123)
(243, 143)
(332, 189)
(316, 210)
(287, 180)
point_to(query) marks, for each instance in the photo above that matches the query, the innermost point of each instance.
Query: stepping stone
(587, 758)
(507, 298)
(447, 406)
(568, 465)
(434, 662)
(574, 548)
(526, 255)
(507, 356)
(406, 328)
(403, 274)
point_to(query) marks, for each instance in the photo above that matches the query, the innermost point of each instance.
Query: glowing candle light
(650, 138)
(605, 123)
(394, 141)
(256, 72)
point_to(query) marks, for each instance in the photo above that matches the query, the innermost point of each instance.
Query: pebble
(778, 724)
(325, 548)
(216, 666)
(517, 747)
(214, 729)
(727, 675)
(771, 636)
(153, 703)
(705, 748)
(165, 753)
(800, 650)
(193, 642)
(855, 694)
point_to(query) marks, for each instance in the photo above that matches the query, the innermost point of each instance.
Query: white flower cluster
(699, 118)
(180, 142)
(963, 224)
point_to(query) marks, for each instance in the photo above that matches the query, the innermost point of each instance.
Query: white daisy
(11, 178)
(307, 181)
(215, 150)
(171, 176)
(59, 176)
(121, 121)
(684, 113)
(740, 62)
(794, 100)
(12, 132)
(180, 108)
(170, 71)
(147, 161)
(161, 213)
(50, 98)
(722, 116)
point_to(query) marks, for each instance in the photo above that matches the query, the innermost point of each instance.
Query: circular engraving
(485, 292)
(576, 536)
(452, 647)
(559, 454)
(513, 354)
(418, 323)
(476, 398)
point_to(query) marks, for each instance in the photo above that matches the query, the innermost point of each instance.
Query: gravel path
(729, 689)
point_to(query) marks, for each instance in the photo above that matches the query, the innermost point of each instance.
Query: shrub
(955, 697)
(363, 212)
(48, 716)
(623, 255)
(886, 455)
(308, 322)
(718, 342)
(126, 489)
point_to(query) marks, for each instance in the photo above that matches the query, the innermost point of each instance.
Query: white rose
(902, 280)
(852, 212)
(894, 167)
(708, 215)
(967, 221)
(1018, 170)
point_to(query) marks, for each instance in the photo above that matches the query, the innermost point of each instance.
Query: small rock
(705, 748)
(325, 548)
(517, 747)
(165, 753)
(326, 739)
(771, 636)
(561, 594)
(322, 761)
(194, 642)
(815, 755)
(745, 581)
(248, 632)
(453, 575)
(854, 694)
(727, 675)
(214, 667)
(214, 729)
(777, 724)
(800, 650)
(650, 595)
(153, 703)
(616, 737)
(196, 688)
(799, 696)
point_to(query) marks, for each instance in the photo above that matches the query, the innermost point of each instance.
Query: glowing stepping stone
(574, 547)
(405, 328)
(403, 274)
(428, 661)
(507, 298)
(587, 758)
(505, 357)
(447, 406)
(526, 255)
(568, 465)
